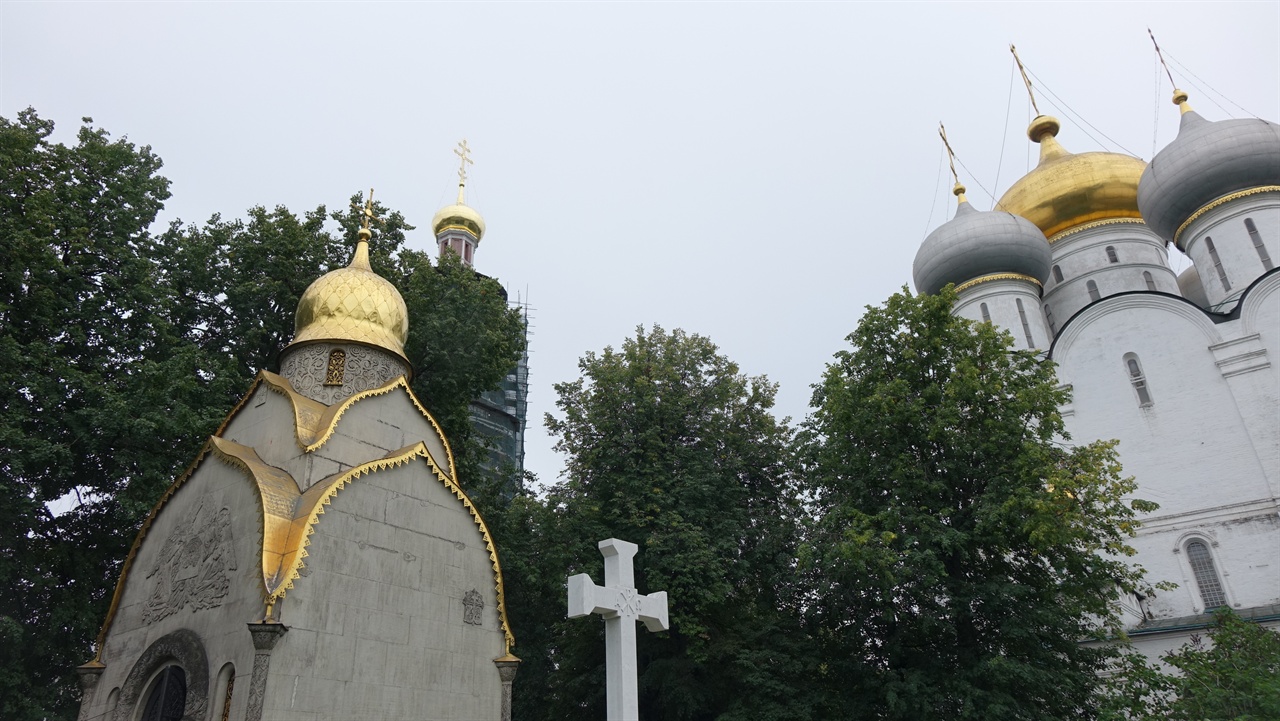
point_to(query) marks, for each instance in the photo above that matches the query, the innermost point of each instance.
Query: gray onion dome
(977, 243)
(1206, 161)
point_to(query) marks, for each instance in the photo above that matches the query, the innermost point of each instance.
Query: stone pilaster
(89, 675)
(507, 667)
(265, 636)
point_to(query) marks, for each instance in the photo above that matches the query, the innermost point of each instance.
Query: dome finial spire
(959, 189)
(1025, 80)
(361, 257)
(464, 155)
(1179, 95)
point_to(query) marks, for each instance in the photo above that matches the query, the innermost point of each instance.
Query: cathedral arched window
(1206, 574)
(1138, 379)
(1026, 327)
(1151, 282)
(168, 697)
(1048, 314)
(1111, 254)
(1217, 263)
(1258, 245)
(1057, 274)
(986, 314)
(1093, 290)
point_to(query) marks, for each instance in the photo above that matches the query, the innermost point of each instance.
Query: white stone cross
(621, 605)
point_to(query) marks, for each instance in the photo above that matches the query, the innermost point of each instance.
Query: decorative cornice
(992, 277)
(1094, 224)
(1177, 234)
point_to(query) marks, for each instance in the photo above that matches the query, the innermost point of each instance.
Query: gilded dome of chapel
(353, 304)
(458, 216)
(1066, 190)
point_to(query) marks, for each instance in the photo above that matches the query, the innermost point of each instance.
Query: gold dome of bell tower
(354, 304)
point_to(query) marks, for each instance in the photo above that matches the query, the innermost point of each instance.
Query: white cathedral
(1074, 263)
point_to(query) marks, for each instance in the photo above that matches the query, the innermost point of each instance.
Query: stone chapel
(318, 559)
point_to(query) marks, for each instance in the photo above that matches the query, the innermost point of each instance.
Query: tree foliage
(1233, 675)
(671, 447)
(81, 345)
(120, 351)
(960, 551)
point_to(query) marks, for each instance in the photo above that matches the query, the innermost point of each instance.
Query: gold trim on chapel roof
(315, 423)
(289, 516)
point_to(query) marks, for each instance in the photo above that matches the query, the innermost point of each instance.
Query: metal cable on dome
(1212, 89)
(1004, 135)
(1067, 109)
(933, 205)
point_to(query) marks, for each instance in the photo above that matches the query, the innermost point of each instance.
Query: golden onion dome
(1066, 190)
(458, 216)
(353, 304)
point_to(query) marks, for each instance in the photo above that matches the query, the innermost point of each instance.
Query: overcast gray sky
(756, 173)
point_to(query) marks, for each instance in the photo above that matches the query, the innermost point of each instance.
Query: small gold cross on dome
(464, 155)
(366, 212)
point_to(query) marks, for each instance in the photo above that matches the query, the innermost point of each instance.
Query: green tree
(960, 550)
(91, 393)
(671, 447)
(1233, 675)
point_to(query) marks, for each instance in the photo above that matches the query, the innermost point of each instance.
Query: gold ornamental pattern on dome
(354, 304)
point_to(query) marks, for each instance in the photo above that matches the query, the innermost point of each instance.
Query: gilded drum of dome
(1068, 190)
(352, 304)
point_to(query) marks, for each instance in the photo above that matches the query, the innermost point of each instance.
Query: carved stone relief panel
(313, 372)
(473, 608)
(193, 567)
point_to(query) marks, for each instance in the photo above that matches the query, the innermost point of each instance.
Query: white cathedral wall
(1235, 249)
(377, 626)
(1190, 451)
(1082, 257)
(1001, 298)
(1260, 392)
(186, 533)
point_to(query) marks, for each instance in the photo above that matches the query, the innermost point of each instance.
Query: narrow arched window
(337, 368)
(1093, 290)
(1111, 254)
(168, 698)
(1217, 263)
(1057, 274)
(1026, 327)
(1151, 282)
(1048, 314)
(986, 314)
(1206, 574)
(1258, 245)
(1138, 379)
